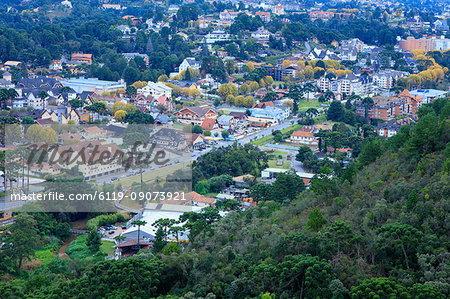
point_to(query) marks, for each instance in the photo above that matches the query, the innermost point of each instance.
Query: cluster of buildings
(360, 84)
(387, 108)
(426, 43)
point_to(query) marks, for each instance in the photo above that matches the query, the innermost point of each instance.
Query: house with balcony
(196, 115)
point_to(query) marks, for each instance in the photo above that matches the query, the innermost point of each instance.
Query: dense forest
(39, 36)
(379, 230)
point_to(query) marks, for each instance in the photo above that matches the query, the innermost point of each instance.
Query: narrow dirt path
(62, 251)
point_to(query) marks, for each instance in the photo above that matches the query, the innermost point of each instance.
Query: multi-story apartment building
(390, 129)
(348, 84)
(427, 43)
(390, 107)
(82, 58)
(386, 79)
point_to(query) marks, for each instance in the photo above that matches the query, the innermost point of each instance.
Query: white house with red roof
(304, 138)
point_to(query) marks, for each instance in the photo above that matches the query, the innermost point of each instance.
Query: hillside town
(252, 104)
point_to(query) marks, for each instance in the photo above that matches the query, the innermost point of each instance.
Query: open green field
(269, 138)
(262, 140)
(305, 105)
(273, 164)
(45, 254)
(77, 249)
(274, 59)
(107, 247)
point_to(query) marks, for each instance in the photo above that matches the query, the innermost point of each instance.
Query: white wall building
(261, 34)
(386, 79)
(189, 62)
(155, 90)
(217, 36)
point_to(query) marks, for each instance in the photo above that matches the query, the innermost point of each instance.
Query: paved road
(307, 48)
(268, 131)
(296, 165)
(282, 147)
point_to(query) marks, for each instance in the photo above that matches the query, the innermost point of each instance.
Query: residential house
(228, 15)
(320, 54)
(95, 133)
(113, 6)
(264, 15)
(189, 62)
(155, 90)
(270, 112)
(39, 82)
(242, 181)
(304, 138)
(323, 15)
(199, 200)
(198, 141)
(81, 152)
(441, 25)
(168, 138)
(7, 76)
(261, 34)
(209, 124)
(278, 9)
(415, 23)
(391, 128)
(195, 115)
(125, 29)
(216, 36)
(165, 102)
(347, 53)
(226, 121)
(56, 65)
(132, 247)
(390, 107)
(82, 58)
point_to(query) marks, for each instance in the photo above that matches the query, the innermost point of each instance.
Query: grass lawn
(77, 249)
(273, 164)
(45, 254)
(107, 247)
(320, 119)
(294, 127)
(305, 105)
(263, 140)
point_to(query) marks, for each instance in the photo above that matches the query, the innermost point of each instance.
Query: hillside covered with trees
(379, 230)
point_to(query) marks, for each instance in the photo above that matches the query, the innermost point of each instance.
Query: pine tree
(93, 241)
(159, 242)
